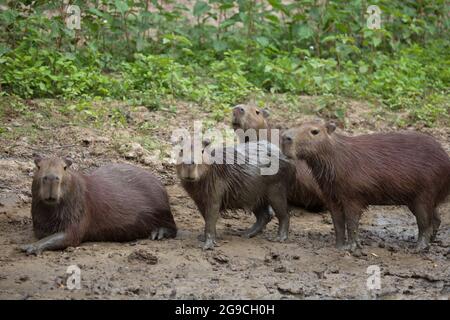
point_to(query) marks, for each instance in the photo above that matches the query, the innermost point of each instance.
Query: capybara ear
(331, 126)
(37, 159)
(68, 161)
(265, 113)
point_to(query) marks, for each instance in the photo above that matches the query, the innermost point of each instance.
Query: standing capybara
(241, 184)
(304, 192)
(116, 202)
(404, 168)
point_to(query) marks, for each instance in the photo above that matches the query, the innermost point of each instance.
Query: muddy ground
(307, 266)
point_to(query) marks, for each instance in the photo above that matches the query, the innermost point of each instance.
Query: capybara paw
(30, 249)
(421, 246)
(340, 246)
(209, 245)
(281, 238)
(249, 233)
(161, 233)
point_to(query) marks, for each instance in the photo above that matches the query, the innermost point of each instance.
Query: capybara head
(249, 117)
(187, 168)
(51, 178)
(308, 139)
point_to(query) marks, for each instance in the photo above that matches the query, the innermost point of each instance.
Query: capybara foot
(281, 237)
(340, 246)
(354, 248)
(421, 246)
(433, 236)
(30, 249)
(162, 233)
(209, 244)
(253, 231)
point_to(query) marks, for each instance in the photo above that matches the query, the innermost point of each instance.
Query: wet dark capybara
(304, 192)
(241, 184)
(404, 168)
(116, 202)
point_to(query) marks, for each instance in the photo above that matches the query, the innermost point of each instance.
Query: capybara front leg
(352, 217)
(263, 217)
(57, 241)
(279, 205)
(211, 217)
(338, 218)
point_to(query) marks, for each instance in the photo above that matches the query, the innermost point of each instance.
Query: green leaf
(220, 45)
(304, 32)
(262, 41)
(200, 8)
(121, 6)
(276, 4)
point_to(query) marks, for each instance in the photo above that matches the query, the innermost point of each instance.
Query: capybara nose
(51, 178)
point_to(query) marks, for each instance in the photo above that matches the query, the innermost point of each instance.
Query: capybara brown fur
(241, 184)
(403, 168)
(304, 192)
(116, 202)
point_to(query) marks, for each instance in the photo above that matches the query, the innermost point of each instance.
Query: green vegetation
(221, 52)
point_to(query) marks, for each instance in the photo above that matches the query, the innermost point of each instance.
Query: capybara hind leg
(424, 218)
(263, 217)
(211, 217)
(338, 218)
(57, 241)
(436, 224)
(279, 205)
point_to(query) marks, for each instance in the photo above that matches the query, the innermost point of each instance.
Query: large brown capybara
(241, 184)
(116, 202)
(404, 168)
(304, 192)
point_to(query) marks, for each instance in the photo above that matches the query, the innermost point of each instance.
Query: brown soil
(307, 266)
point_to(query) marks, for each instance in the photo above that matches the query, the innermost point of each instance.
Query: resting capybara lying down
(216, 187)
(404, 168)
(116, 202)
(305, 191)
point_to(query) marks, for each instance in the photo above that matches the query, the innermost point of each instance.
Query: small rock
(143, 256)
(280, 269)
(290, 288)
(221, 258)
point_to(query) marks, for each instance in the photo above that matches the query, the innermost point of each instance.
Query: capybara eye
(257, 111)
(65, 167)
(314, 132)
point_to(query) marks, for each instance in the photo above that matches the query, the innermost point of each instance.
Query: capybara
(404, 168)
(305, 191)
(241, 184)
(116, 202)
